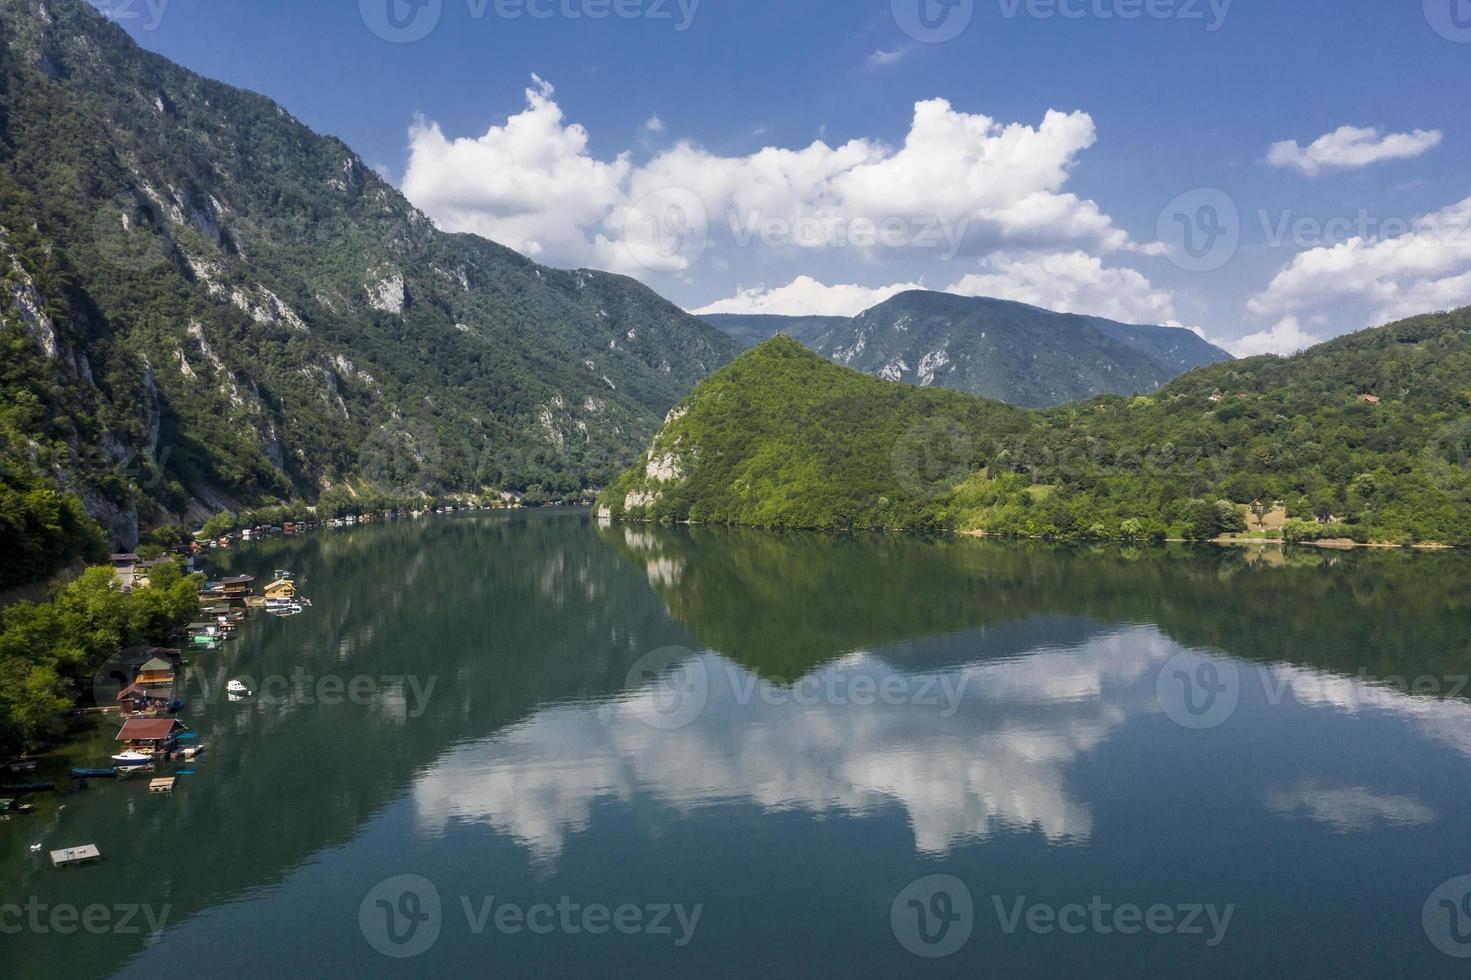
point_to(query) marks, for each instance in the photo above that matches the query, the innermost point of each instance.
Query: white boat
(131, 759)
(237, 687)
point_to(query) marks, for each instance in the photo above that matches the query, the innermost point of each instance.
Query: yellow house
(281, 589)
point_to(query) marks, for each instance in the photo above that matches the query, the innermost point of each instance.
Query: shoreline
(1227, 541)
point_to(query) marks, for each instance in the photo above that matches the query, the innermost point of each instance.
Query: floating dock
(165, 785)
(69, 857)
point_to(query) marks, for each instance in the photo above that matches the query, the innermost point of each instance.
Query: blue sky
(1077, 143)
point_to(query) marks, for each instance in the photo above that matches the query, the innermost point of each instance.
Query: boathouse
(151, 734)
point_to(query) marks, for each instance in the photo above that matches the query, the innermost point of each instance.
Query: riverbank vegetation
(1366, 438)
(50, 651)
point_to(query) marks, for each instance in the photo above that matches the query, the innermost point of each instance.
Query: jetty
(70, 857)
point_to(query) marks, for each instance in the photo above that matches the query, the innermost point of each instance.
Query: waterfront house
(155, 673)
(123, 568)
(236, 587)
(282, 588)
(151, 735)
(139, 700)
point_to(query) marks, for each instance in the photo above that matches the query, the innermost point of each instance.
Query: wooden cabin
(155, 673)
(282, 588)
(157, 735)
(236, 587)
(139, 700)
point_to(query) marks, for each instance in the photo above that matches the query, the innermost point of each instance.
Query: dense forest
(50, 652)
(205, 305)
(1366, 437)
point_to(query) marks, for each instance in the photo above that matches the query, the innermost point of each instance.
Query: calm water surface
(623, 750)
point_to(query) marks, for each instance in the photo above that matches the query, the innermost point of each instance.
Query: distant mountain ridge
(1016, 353)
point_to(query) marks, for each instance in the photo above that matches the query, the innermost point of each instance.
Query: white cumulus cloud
(962, 182)
(1071, 282)
(1286, 337)
(1352, 147)
(805, 296)
(1427, 268)
(1068, 282)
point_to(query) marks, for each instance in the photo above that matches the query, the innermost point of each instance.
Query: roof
(148, 729)
(156, 664)
(151, 694)
(122, 558)
(238, 580)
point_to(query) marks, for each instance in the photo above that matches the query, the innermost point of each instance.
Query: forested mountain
(204, 303)
(1367, 436)
(1019, 354)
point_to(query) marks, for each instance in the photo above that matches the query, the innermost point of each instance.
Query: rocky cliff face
(249, 311)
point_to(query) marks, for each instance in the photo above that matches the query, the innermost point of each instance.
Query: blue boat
(95, 773)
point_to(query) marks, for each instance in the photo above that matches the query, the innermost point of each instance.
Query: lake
(530, 745)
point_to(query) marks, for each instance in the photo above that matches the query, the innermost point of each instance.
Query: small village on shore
(143, 690)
